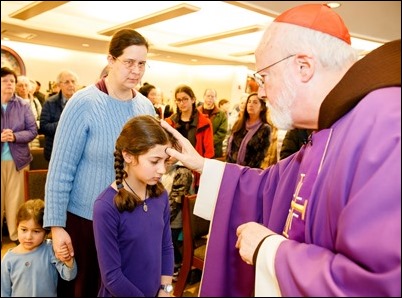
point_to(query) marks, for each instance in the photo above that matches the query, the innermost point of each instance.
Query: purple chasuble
(242, 281)
(340, 194)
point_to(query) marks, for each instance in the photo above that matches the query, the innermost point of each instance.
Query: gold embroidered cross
(294, 206)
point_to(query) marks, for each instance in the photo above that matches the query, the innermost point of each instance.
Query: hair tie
(120, 186)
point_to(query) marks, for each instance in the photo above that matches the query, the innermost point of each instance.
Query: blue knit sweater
(82, 163)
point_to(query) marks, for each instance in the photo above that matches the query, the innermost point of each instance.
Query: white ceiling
(226, 32)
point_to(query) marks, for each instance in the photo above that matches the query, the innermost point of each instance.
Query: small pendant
(145, 207)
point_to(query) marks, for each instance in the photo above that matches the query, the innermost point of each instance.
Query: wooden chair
(41, 138)
(39, 162)
(194, 243)
(34, 184)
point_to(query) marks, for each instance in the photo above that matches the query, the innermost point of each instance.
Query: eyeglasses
(260, 79)
(130, 63)
(184, 99)
(68, 82)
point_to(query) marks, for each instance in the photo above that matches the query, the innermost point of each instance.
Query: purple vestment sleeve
(244, 196)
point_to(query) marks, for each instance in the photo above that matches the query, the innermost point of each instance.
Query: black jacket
(49, 119)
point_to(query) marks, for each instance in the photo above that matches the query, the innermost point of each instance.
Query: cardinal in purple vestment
(326, 221)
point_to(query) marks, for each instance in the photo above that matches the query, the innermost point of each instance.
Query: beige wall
(43, 63)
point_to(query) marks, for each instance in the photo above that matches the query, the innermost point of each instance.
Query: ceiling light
(160, 16)
(217, 36)
(242, 54)
(18, 33)
(334, 4)
(36, 8)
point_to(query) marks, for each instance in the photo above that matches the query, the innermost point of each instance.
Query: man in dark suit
(53, 107)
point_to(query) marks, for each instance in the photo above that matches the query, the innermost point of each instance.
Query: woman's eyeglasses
(180, 100)
(131, 63)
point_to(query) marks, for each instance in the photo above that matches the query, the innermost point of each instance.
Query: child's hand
(67, 258)
(65, 253)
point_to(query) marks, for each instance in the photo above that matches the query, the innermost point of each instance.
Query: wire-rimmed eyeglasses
(259, 78)
(131, 63)
(66, 82)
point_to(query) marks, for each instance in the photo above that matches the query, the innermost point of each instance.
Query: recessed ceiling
(190, 32)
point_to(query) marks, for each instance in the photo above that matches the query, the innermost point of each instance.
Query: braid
(119, 169)
(124, 200)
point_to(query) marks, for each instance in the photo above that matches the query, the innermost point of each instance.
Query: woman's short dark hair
(5, 71)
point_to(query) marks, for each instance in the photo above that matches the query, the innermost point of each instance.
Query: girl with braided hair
(131, 217)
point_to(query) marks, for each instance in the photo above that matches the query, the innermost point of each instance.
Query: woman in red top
(197, 128)
(192, 124)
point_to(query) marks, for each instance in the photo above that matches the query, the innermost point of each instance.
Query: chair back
(199, 226)
(41, 138)
(39, 162)
(34, 184)
(195, 229)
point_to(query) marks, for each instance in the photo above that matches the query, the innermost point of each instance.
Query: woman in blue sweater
(81, 165)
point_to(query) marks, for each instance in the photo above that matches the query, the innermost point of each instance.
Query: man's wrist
(258, 248)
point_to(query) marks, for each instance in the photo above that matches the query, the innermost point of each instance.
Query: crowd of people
(319, 218)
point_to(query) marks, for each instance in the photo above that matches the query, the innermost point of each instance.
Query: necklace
(144, 203)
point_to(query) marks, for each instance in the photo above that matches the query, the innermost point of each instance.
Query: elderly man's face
(277, 88)
(68, 85)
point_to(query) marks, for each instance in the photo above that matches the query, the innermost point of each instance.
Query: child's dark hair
(138, 136)
(31, 209)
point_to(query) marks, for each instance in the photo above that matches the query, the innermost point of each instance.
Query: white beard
(280, 110)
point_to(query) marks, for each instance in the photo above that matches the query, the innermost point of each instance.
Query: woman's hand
(7, 135)
(189, 157)
(62, 246)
